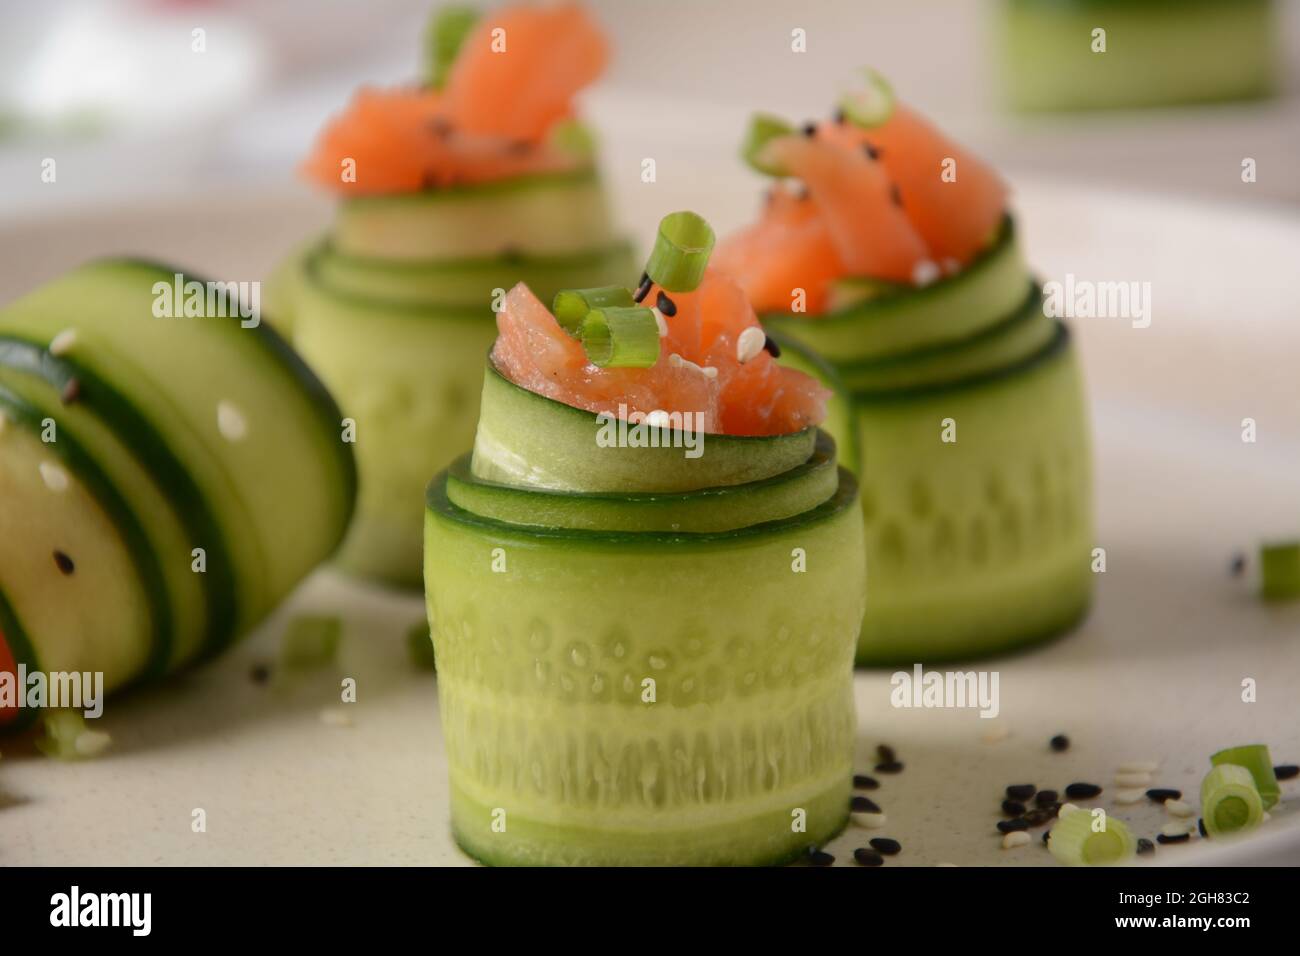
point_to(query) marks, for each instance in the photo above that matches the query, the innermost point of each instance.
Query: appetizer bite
(449, 193)
(168, 473)
(645, 584)
(888, 249)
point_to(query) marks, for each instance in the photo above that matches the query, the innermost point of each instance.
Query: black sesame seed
(1039, 816)
(1237, 567)
(1021, 791)
(643, 288)
(1181, 838)
(1286, 771)
(886, 845)
(666, 305)
(1010, 826)
(259, 673)
(885, 753)
(867, 856)
(64, 563)
(871, 151)
(810, 129)
(1045, 798)
(1145, 846)
(862, 782)
(1013, 808)
(1047, 835)
(820, 858)
(1160, 795)
(770, 346)
(1054, 809)
(1059, 743)
(71, 391)
(891, 767)
(1200, 826)
(860, 804)
(1082, 790)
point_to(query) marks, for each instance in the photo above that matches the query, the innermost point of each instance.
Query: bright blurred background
(114, 91)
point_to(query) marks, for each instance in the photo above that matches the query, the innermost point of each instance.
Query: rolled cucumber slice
(841, 417)
(560, 214)
(980, 544)
(945, 312)
(619, 698)
(529, 440)
(793, 492)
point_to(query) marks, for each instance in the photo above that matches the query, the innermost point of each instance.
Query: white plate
(1155, 672)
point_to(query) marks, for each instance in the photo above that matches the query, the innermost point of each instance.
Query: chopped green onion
(872, 106)
(1256, 759)
(763, 128)
(1230, 801)
(1074, 842)
(310, 642)
(681, 252)
(573, 137)
(419, 644)
(621, 338)
(66, 736)
(443, 39)
(572, 305)
(1280, 571)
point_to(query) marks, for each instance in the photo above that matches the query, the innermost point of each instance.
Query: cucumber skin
(1019, 472)
(714, 618)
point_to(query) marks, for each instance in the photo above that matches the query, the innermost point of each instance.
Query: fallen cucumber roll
(165, 479)
(967, 404)
(644, 658)
(447, 198)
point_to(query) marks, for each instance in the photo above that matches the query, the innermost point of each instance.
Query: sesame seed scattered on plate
(869, 821)
(1015, 839)
(1134, 795)
(1177, 808)
(868, 857)
(1132, 779)
(1059, 743)
(1139, 766)
(1176, 828)
(1161, 794)
(1084, 790)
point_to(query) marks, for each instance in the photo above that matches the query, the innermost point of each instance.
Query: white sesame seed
(710, 371)
(871, 821)
(231, 422)
(1067, 809)
(996, 733)
(1015, 838)
(55, 478)
(750, 343)
(1130, 796)
(675, 360)
(1176, 828)
(91, 743)
(658, 419)
(925, 272)
(1178, 808)
(63, 342)
(1132, 779)
(336, 717)
(661, 322)
(1138, 766)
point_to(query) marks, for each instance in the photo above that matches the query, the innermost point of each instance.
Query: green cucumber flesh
(546, 638)
(200, 618)
(181, 374)
(982, 544)
(1021, 335)
(14, 641)
(527, 439)
(947, 311)
(841, 418)
(468, 283)
(74, 563)
(558, 214)
(1158, 52)
(794, 492)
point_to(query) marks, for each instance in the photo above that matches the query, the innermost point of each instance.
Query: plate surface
(1155, 673)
